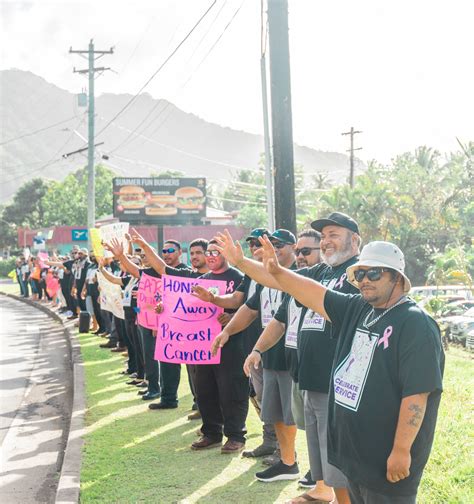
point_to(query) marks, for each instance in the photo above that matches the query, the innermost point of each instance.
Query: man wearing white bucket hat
(387, 377)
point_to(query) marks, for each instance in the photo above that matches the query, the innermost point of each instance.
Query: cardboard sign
(96, 242)
(110, 296)
(149, 294)
(188, 326)
(116, 230)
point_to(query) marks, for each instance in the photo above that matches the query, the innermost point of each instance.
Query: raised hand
(268, 255)
(219, 342)
(202, 294)
(137, 238)
(253, 359)
(115, 247)
(231, 250)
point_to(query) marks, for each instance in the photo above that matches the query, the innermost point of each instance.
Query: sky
(400, 71)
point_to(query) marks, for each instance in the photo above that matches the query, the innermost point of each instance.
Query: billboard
(159, 200)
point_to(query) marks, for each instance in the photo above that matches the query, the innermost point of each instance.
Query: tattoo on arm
(416, 416)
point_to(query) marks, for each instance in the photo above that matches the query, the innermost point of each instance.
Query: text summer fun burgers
(190, 198)
(131, 197)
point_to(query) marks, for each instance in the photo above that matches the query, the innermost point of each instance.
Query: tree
(420, 201)
(65, 203)
(26, 210)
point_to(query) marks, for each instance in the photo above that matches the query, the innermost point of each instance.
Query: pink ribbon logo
(386, 335)
(230, 286)
(340, 282)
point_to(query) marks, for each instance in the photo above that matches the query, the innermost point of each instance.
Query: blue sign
(79, 234)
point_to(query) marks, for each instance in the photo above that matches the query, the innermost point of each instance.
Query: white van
(431, 291)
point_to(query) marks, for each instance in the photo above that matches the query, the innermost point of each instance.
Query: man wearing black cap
(234, 301)
(316, 345)
(277, 383)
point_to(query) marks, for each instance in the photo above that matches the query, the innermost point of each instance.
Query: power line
(129, 138)
(31, 133)
(53, 160)
(175, 50)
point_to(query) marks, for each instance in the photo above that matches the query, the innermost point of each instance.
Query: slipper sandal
(307, 498)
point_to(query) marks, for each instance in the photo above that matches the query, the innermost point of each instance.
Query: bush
(6, 266)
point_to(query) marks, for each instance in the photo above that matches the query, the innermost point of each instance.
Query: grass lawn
(132, 454)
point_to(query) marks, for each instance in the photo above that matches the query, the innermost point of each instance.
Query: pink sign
(148, 295)
(188, 325)
(42, 256)
(52, 285)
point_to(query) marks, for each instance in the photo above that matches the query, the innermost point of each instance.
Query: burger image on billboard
(131, 197)
(190, 198)
(161, 205)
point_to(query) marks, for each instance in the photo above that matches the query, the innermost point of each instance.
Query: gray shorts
(89, 306)
(362, 495)
(297, 405)
(276, 399)
(316, 423)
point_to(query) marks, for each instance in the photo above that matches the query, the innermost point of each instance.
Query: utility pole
(352, 132)
(268, 148)
(282, 129)
(91, 56)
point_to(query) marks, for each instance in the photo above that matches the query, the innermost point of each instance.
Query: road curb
(68, 491)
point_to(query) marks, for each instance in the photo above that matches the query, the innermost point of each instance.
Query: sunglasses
(306, 251)
(372, 274)
(213, 253)
(279, 244)
(254, 244)
(169, 250)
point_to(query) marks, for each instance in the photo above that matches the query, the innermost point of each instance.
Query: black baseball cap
(284, 236)
(256, 233)
(336, 219)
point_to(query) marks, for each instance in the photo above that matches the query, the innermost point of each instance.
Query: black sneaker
(307, 481)
(279, 472)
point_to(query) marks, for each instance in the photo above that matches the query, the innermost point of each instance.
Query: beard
(339, 256)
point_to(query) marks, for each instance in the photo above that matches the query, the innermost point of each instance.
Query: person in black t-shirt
(222, 389)
(235, 300)
(386, 381)
(170, 265)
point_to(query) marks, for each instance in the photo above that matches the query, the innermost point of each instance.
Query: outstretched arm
(233, 252)
(111, 278)
(154, 260)
(308, 292)
(230, 301)
(240, 321)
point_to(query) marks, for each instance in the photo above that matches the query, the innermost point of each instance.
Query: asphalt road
(35, 402)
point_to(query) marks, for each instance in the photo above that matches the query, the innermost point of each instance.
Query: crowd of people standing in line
(316, 334)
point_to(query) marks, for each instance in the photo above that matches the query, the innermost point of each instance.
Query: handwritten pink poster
(42, 256)
(188, 325)
(148, 295)
(52, 285)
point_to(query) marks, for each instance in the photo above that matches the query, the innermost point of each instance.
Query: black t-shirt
(316, 341)
(80, 273)
(233, 278)
(68, 265)
(253, 331)
(182, 271)
(289, 311)
(374, 369)
(267, 301)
